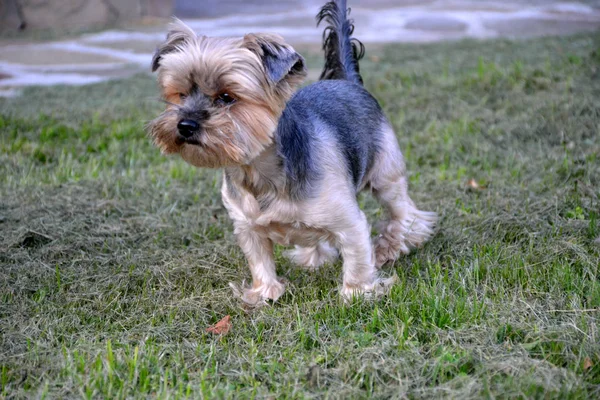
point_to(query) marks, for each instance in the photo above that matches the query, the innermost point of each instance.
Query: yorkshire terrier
(293, 160)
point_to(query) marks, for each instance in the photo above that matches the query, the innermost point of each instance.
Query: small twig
(577, 311)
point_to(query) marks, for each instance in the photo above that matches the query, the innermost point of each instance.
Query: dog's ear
(179, 33)
(280, 60)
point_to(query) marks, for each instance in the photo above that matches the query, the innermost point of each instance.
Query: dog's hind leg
(312, 257)
(360, 276)
(407, 226)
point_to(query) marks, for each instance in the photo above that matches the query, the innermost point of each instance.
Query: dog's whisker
(170, 103)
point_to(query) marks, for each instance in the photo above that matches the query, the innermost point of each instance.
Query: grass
(115, 259)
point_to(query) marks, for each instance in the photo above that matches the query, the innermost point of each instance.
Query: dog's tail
(342, 52)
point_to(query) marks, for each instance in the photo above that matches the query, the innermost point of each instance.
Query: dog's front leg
(259, 253)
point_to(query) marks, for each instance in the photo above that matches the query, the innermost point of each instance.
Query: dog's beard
(232, 137)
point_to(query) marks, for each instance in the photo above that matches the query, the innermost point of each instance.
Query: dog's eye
(182, 96)
(224, 99)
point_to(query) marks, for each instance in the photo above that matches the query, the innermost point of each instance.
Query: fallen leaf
(473, 185)
(587, 364)
(221, 327)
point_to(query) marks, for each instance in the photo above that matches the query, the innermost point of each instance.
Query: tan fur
(233, 135)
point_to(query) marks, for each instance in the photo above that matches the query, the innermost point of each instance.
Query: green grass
(115, 259)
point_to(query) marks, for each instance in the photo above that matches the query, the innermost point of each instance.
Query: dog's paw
(419, 228)
(401, 236)
(312, 258)
(378, 288)
(390, 242)
(385, 250)
(257, 296)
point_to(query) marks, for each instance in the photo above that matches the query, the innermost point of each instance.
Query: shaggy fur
(293, 162)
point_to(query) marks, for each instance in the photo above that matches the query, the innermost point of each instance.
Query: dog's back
(337, 109)
(340, 113)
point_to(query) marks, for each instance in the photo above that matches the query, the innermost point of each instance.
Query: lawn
(115, 259)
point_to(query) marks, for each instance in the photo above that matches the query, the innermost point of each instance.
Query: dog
(293, 159)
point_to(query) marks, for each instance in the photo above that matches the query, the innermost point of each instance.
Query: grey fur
(351, 117)
(195, 107)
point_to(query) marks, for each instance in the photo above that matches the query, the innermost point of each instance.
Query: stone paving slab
(46, 55)
(134, 46)
(96, 57)
(539, 27)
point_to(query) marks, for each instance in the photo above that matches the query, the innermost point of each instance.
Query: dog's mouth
(193, 140)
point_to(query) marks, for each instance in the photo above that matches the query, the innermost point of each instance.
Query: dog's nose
(187, 127)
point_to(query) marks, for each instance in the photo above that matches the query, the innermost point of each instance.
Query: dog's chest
(280, 221)
(284, 225)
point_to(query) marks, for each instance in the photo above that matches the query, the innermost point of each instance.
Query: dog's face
(224, 96)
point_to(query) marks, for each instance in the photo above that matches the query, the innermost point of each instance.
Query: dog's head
(223, 95)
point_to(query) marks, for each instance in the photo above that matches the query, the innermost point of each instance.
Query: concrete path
(116, 53)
